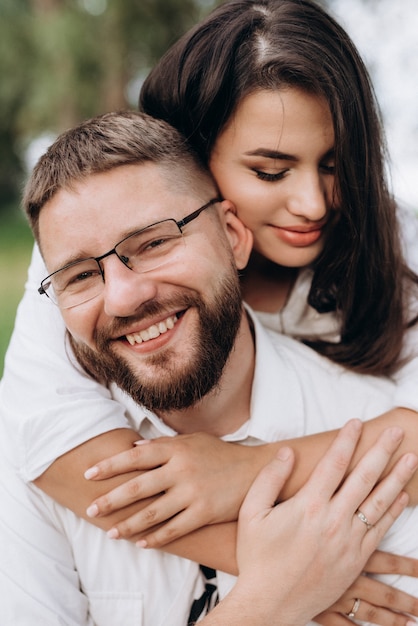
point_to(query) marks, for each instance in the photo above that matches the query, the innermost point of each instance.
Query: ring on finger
(363, 519)
(355, 608)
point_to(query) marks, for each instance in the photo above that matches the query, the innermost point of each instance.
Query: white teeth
(152, 332)
(145, 335)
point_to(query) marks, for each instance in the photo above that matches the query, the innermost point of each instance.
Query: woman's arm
(215, 544)
(64, 482)
(202, 480)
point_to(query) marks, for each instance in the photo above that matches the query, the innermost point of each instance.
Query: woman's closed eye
(270, 177)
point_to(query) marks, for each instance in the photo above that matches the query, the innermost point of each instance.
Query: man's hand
(315, 541)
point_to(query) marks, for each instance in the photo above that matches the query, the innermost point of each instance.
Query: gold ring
(355, 608)
(363, 519)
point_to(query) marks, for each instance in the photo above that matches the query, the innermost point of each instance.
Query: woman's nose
(309, 198)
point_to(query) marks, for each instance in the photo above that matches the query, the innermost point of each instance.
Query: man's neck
(227, 407)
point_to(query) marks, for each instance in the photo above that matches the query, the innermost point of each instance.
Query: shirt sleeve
(48, 405)
(38, 578)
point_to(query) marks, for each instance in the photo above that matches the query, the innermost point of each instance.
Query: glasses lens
(141, 252)
(151, 247)
(74, 284)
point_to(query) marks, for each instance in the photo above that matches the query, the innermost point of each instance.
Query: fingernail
(141, 442)
(396, 433)
(356, 424)
(92, 511)
(283, 454)
(403, 499)
(141, 543)
(113, 533)
(411, 461)
(91, 472)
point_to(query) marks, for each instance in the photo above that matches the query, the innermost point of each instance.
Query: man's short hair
(109, 141)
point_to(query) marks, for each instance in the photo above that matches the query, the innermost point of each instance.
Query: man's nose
(309, 198)
(124, 289)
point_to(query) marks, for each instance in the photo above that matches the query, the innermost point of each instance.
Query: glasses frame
(180, 225)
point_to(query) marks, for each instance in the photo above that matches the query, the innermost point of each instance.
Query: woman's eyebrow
(283, 156)
(271, 154)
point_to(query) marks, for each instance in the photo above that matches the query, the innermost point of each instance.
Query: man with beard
(158, 316)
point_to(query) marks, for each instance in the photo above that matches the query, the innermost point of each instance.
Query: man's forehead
(101, 209)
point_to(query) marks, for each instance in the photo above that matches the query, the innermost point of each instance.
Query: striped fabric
(208, 600)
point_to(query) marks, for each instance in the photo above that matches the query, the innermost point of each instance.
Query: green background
(15, 250)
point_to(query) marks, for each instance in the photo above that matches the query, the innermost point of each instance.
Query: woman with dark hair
(250, 49)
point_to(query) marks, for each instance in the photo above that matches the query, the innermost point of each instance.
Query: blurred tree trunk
(114, 55)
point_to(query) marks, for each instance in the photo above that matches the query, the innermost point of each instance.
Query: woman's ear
(240, 237)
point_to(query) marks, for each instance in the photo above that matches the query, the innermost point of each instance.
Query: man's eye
(156, 243)
(84, 276)
(159, 243)
(80, 277)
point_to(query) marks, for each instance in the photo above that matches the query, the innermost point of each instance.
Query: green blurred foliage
(15, 249)
(62, 61)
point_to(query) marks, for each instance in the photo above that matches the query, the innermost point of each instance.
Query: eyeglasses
(144, 250)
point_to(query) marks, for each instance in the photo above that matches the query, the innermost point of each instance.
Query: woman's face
(275, 162)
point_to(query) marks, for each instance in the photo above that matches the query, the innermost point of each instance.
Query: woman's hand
(379, 603)
(202, 480)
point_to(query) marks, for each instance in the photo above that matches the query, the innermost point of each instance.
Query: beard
(169, 385)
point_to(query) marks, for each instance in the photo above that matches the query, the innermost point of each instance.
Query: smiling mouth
(299, 238)
(154, 331)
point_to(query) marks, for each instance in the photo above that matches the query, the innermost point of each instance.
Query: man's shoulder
(297, 351)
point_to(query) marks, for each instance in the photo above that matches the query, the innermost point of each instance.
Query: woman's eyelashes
(270, 177)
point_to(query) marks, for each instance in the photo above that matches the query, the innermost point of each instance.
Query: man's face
(163, 336)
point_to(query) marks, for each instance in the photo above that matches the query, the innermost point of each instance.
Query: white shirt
(59, 569)
(37, 361)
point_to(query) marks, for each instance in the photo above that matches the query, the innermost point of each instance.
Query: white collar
(276, 402)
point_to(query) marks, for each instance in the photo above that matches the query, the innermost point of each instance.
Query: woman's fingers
(365, 613)
(387, 602)
(387, 563)
(144, 456)
(265, 489)
(165, 516)
(148, 485)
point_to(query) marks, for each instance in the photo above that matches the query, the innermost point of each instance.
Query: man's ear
(240, 237)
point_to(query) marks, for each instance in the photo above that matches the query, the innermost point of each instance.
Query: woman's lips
(298, 238)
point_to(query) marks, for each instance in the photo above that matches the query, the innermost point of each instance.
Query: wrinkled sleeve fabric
(35, 559)
(47, 404)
